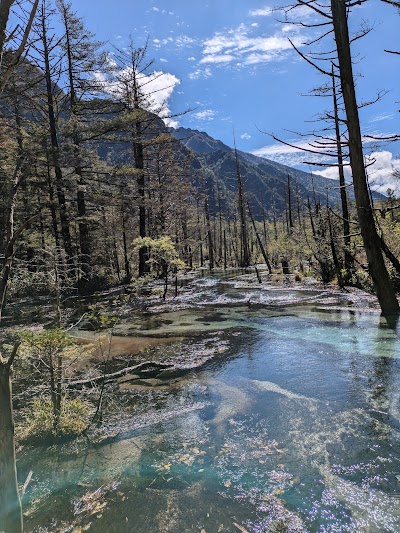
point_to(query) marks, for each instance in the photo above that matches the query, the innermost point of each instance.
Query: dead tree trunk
(260, 244)
(138, 151)
(209, 235)
(84, 237)
(348, 258)
(289, 196)
(376, 265)
(10, 503)
(128, 275)
(274, 216)
(65, 228)
(335, 258)
(245, 255)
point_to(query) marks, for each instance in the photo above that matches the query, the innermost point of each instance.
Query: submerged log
(146, 366)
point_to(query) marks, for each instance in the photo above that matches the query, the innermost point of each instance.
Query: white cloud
(191, 58)
(254, 59)
(245, 136)
(163, 60)
(181, 41)
(263, 12)
(380, 173)
(383, 116)
(154, 8)
(241, 46)
(218, 58)
(332, 173)
(156, 89)
(200, 73)
(171, 123)
(184, 41)
(207, 114)
(380, 163)
(296, 14)
(380, 169)
(294, 155)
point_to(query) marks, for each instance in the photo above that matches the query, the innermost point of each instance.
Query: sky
(231, 64)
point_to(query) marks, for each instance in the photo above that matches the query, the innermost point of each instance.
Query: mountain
(213, 163)
(265, 180)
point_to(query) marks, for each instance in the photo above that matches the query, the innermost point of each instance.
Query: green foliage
(38, 420)
(44, 355)
(139, 283)
(126, 170)
(24, 283)
(48, 342)
(163, 252)
(395, 278)
(100, 317)
(362, 280)
(325, 268)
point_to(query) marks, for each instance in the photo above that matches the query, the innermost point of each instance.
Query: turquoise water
(294, 426)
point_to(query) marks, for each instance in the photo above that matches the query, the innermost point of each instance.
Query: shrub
(24, 284)
(37, 423)
(395, 278)
(362, 280)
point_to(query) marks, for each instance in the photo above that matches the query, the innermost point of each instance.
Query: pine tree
(84, 63)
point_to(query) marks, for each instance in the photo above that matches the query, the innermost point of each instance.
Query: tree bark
(289, 196)
(128, 275)
(85, 258)
(65, 229)
(209, 235)
(348, 259)
(5, 7)
(260, 244)
(376, 265)
(245, 252)
(10, 503)
(141, 182)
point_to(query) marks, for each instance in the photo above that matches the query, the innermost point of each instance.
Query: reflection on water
(294, 427)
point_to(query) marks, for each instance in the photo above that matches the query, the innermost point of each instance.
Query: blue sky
(231, 62)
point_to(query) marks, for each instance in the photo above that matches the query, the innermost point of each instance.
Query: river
(289, 423)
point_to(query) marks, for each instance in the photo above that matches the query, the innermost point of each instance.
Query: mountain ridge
(265, 180)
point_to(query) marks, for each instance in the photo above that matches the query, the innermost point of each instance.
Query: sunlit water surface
(294, 426)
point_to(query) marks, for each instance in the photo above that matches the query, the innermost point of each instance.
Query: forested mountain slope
(266, 181)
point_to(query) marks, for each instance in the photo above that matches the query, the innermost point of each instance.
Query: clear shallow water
(295, 426)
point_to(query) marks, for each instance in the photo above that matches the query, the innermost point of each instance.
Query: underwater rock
(372, 510)
(234, 401)
(273, 387)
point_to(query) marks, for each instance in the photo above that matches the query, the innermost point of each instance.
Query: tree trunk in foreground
(376, 264)
(10, 503)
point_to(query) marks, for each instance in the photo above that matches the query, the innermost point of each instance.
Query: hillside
(265, 180)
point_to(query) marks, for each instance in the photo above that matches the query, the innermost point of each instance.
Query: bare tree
(372, 242)
(333, 19)
(10, 503)
(5, 9)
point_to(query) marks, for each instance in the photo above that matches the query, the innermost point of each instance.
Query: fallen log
(146, 366)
